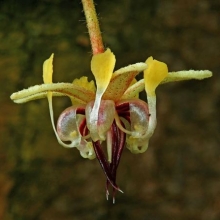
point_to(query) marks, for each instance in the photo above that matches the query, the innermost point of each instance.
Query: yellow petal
(154, 74)
(102, 66)
(84, 83)
(48, 70)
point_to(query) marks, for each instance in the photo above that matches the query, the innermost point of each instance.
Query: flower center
(118, 123)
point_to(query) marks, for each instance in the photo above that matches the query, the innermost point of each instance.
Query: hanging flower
(109, 114)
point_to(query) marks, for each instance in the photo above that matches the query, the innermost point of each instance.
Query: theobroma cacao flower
(109, 114)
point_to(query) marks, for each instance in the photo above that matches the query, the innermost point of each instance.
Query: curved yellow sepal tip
(154, 74)
(102, 66)
(48, 70)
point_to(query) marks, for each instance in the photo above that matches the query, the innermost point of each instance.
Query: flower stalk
(93, 26)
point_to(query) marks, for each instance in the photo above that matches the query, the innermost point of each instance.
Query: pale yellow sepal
(121, 80)
(187, 75)
(48, 70)
(154, 74)
(102, 66)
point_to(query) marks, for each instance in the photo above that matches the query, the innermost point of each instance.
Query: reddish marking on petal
(86, 131)
(121, 144)
(123, 106)
(104, 163)
(82, 127)
(118, 143)
(125, 115)
(123, 110)
(118, 85)
(80, 111)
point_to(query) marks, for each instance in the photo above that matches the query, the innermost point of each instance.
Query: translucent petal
(138, 119)
(139, 116)
(154, 74)
(106, 113)
(137, 145)
(50, 101)
(86, 150)
(121, 80)
(68, 130)
(68, 123)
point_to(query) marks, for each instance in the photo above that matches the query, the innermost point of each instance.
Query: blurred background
(178, 177)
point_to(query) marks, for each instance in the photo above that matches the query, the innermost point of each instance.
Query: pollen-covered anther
(73, 134)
